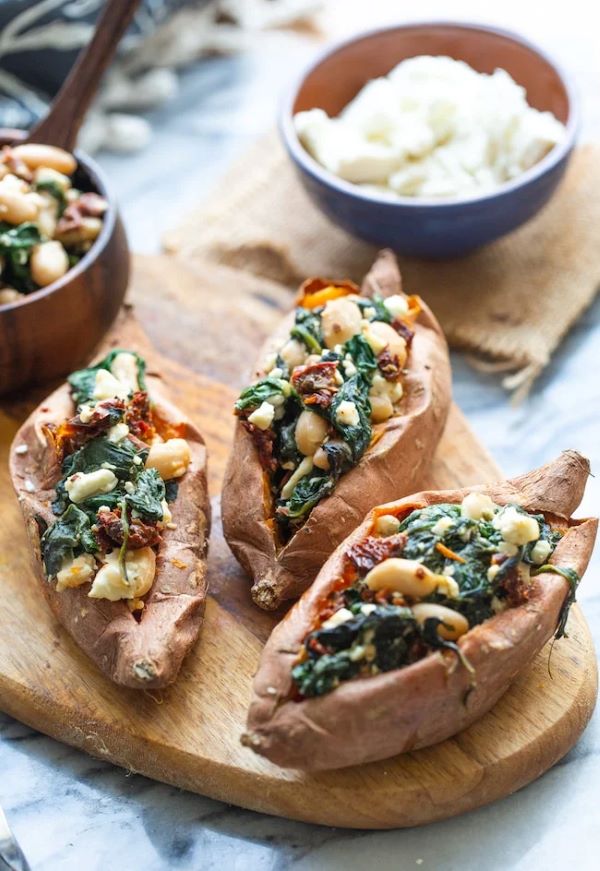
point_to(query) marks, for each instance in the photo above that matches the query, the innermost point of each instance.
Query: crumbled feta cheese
(515, 527)
(368, 608)
(348, 366)
(397, 305)
(433, 127)
(86, 412)
(106, 386)
(540, 552)
(442, 526)
(337, 618)
(263, 416)
(167, 516)
(347, 413)
(117, 432)
(125, 369)
(369, 311)
(129, 487)
(75, 572)
(477, 506)
(82, 485)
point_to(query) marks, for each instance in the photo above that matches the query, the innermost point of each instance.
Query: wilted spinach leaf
(381, 312)
(307, 329)
(67, 538)
(148, 496)
(307, 492)
(54, 189)
(258, 393)
(362, 355)
(83, 381)
(15, 247)
(358, 437)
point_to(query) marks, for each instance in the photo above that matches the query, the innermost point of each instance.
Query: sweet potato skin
(424, 703)
(145, 654)
(394, 465)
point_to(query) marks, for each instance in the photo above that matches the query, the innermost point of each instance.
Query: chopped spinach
(362, 355)
(384, 637)
(83, 381)
(377, 303)
(54, 189)
(16, 244)
(258, 393)
(307, 329)
(148, 495)
(357, 437)
(67, 538)
(308, 492)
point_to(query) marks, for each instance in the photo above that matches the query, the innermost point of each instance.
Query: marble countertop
(72, 812)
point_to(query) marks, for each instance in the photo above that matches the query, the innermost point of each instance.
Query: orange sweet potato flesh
(377, 717)
(145, 654)
(395, 464)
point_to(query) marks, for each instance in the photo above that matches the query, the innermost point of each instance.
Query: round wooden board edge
(210, 778)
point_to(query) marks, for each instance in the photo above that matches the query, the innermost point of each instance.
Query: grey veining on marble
(73, 813)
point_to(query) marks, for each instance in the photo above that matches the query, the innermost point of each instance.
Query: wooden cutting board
(188, 735)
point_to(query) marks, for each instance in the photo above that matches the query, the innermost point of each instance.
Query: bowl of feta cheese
(433, 139)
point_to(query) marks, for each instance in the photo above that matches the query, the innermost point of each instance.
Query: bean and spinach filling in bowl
(120, 463)
(315, 411)
(419, 582)
(49, 217)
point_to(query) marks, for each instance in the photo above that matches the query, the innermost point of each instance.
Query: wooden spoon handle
(61, 125)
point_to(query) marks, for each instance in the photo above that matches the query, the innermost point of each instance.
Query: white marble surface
(72, 812)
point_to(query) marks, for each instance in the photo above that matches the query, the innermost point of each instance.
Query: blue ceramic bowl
(432, 228)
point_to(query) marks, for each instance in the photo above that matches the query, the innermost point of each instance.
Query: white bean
(35, 155)
(386, 334)
(381, 408)
(409, 577)
(454, 623)
(341, 319)
(170, 459)
(9, 294)
(75, 572)
(387, 524)
(17, 207)
(48, 263)
(320, 459)
(310, 432)
(87, 231)
(46, 174)
(110, 582)
(293, 353)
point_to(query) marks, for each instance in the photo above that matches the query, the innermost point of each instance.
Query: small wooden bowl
(54, 330)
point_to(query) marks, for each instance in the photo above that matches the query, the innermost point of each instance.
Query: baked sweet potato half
(421, 619)
(350, 400)
(111, 479)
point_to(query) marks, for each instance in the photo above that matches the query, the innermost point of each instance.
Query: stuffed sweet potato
(111, 479)
(350, 401)
(421, 619)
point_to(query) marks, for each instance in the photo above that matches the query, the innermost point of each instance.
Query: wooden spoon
(69, 108)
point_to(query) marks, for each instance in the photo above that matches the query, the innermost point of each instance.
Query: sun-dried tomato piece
(316, 383)
(138, 417)
(91, 204)
(404, 330)
(368, 553)
(264, 440)
(74, 433)
(514, 588)
(389, 365)
(141, 533)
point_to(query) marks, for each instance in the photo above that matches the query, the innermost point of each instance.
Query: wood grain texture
(188, 735)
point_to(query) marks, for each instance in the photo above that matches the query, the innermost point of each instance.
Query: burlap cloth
(508, 305)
